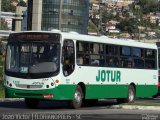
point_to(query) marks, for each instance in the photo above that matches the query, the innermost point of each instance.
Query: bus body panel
(110, 87)
(62, 92)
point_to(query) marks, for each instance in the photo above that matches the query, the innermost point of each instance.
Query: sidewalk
(135, 107)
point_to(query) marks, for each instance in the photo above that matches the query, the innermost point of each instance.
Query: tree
(149, 5)
(7, 5)
(22, 3)
(130, 26)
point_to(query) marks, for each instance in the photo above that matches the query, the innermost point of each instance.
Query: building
(66, 15)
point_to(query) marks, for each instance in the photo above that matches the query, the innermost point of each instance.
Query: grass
(1, 90)
(1, 62)
(1, 82)
(1, 67)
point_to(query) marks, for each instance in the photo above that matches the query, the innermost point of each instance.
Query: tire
(78, 98)
(130, 97)
(31, 103)
(131, 94)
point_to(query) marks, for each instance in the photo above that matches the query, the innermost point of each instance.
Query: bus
(54, 65)
(158, 93)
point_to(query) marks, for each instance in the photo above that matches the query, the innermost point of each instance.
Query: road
(13, 110)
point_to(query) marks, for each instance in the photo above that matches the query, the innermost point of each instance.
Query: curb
(136, 107)
(10, 99)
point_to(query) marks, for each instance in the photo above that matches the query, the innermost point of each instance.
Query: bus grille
(28, 86)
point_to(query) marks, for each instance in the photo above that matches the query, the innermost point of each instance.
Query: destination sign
(33, 36)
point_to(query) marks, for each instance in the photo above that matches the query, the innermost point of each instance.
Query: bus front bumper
(62, 92)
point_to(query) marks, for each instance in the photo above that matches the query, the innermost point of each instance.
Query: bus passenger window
(112, 61)
(150, 64)
(126, 62)
(69, 57)
(139, 63)
(86, 60)
(80, 60)
(95, 62)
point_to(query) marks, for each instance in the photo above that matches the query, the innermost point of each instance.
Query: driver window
(69, 57)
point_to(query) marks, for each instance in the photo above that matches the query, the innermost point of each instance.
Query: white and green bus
(78, 68)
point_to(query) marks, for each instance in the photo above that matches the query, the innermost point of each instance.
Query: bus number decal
(108, 75)
(38, 83)
(16, 82)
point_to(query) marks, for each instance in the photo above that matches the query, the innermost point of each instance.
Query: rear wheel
(78, 97)
(31, 103)
(131, 96)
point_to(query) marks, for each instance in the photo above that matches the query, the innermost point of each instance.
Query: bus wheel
(78, 97)
(130, 97)
(31, 103)
(131, 94)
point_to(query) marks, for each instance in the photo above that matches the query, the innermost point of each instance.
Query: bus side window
(69, 57)
(80, 60)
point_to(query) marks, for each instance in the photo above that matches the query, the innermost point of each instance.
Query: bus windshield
(33, 59)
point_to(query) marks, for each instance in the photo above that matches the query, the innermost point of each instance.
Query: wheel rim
(78, 97)
(131, 95)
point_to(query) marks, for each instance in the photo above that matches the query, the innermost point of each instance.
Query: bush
(2, 48)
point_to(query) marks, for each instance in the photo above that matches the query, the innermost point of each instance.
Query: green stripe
(106, 91)
(146, 90)
(119, 91)
(66, 92)
(62, 92)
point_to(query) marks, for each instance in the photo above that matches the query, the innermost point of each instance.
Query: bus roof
(99, 39)
(105, 39)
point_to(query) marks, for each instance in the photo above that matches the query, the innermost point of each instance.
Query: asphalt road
(16, 110)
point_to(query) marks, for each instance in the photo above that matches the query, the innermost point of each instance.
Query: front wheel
(78, 97)
(31, 103)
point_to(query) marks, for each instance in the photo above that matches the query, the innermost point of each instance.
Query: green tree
(130, 26)
(7, 6)
(22, 3)
(149, 5)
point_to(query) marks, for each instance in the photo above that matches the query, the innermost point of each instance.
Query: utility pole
(60, 14)
(101, 10)
(100, 19)
(139, 20)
